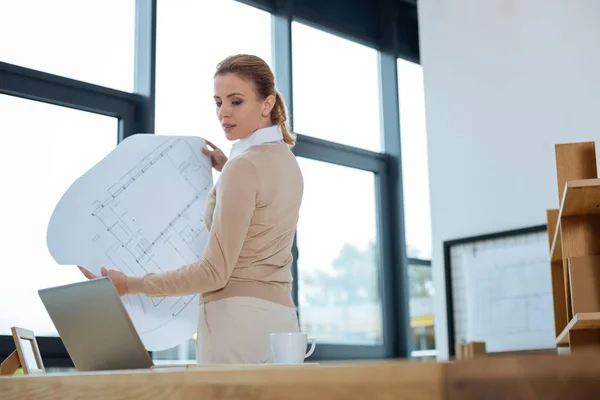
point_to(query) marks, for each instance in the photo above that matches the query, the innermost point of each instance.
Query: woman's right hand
(118, 279)
(217, 157)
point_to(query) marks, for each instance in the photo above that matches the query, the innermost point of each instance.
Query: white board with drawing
(502, 292)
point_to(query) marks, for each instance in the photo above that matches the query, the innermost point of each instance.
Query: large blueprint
(140, 210)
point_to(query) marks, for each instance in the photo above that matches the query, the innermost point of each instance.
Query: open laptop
(95, 326)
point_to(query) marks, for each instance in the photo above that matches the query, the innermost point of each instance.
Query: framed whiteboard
(499, 290)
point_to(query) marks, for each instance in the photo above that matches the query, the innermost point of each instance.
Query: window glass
(192, 38)
(415, 171)
(47, 148)
(88, 41)
(336, 89)
(338, 291)
(421, 310)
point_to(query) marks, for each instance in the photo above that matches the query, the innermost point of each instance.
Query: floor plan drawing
(140, 210)
(509, 297)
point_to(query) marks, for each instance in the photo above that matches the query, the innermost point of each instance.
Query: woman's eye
(218, 104)
(236, 102)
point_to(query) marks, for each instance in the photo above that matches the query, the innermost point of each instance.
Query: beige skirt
(236, 330)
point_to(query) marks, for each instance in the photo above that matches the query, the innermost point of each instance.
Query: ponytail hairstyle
(256, 70)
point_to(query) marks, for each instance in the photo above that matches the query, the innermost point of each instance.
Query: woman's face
(238, 108)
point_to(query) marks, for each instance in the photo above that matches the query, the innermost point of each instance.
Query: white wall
(504, 80)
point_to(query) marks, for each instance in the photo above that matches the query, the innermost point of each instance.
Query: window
(415, 179)
(336, 92)
(415, 172)
(338, 291)
(192, 37)
(421, 309)
(185, 353)
(92, 42)
(47, 148)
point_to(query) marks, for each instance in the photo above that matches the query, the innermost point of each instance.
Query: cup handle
(313, 342)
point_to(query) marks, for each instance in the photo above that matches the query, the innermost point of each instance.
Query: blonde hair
(255, 69)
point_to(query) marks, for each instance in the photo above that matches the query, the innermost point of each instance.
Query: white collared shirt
(271, 134)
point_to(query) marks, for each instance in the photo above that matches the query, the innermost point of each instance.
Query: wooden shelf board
(556, 249)
(581, 197)
(580, 321)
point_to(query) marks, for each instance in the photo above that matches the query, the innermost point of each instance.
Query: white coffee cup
(290, 348)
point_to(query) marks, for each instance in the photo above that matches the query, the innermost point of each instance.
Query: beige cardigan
(251, 214)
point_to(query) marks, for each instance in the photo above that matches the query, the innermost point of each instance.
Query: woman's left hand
(217, 157)
(118, 278)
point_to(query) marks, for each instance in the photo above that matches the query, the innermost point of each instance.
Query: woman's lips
(228, 127)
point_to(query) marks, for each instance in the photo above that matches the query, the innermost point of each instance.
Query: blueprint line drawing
(140, 210)
(509, 298)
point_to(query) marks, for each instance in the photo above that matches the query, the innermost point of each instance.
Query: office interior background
(502, 82)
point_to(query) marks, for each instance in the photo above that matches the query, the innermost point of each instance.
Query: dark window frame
(391, 247)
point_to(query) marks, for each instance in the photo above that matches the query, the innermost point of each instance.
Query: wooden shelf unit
(574, 242)
(581, 321)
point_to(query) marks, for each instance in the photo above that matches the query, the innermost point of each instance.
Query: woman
(251, 213)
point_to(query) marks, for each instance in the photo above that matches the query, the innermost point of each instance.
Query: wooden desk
(526, 377)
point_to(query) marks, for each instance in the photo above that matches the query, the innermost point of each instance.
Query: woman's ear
(268, 105)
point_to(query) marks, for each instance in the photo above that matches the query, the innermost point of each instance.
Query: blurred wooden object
(470, 351)
(11, 364)
(19, 357)
(574, 236)
(531, 377)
